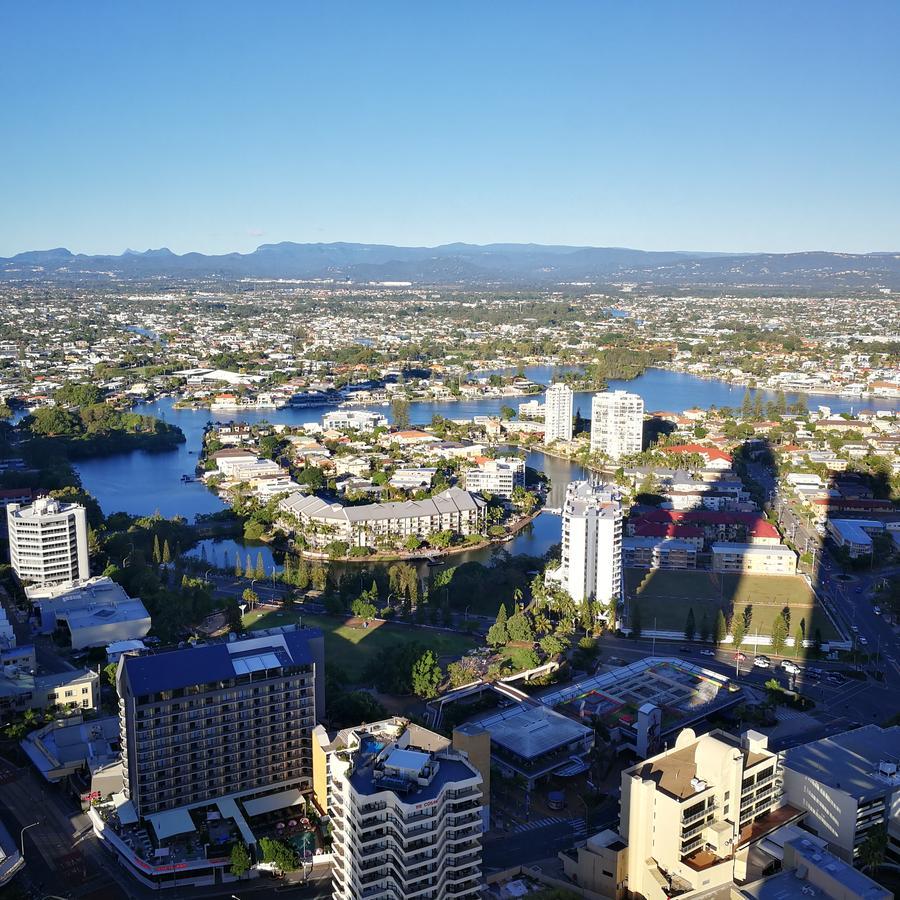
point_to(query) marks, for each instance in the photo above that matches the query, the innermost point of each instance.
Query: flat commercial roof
(849, 761)
(533, 731)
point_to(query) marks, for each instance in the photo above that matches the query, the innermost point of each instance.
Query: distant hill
(500, 264)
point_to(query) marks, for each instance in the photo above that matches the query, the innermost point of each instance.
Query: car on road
(864, 641)
(790, 667)
(876, 610)
(707, 652)
(762, 662)
(812, 670)
(835, 678)
(740, 657)
(683, 648)
(854, 628)
(859, 590)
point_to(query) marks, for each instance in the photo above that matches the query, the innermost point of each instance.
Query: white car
(707, 652)
(863, 640)
(790, 667)
(876, 610)
(761, 662)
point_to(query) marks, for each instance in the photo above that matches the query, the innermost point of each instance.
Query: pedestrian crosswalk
(577, 825)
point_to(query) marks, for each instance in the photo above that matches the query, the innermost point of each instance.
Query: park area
(350, 646)
(666, 596)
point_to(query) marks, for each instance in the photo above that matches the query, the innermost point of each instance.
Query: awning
(574, 766)
(124, 809)
(171, 822)
(229, 810)
(272, 802)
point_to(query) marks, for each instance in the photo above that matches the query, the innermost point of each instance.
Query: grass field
(667, 596)
(349, 646)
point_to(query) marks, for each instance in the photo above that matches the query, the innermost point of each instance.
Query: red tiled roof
(753, 522)
(708, 452)
(655, 529)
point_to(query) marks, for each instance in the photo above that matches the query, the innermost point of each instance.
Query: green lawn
(667, 596)
(350, 647)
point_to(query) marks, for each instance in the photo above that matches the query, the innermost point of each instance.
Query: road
(849, 597)
(63, 857)
(507, 849)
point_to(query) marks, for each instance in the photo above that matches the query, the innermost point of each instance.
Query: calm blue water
(144, 483)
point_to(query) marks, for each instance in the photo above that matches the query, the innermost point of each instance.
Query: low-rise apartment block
(499, 477)
(757, 559)
(353, 420)
(322, 522)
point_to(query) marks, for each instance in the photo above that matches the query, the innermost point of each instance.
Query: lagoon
(143, 483)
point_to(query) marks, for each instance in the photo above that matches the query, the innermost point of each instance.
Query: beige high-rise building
(558, 403)
(689, 815)
(617, 423)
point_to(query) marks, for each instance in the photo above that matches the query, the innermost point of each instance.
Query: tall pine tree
(690, 627)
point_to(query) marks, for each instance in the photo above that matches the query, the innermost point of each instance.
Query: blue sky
(660, 125)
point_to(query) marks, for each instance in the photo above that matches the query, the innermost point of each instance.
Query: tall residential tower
(558, 413)
(591, 543)
(407, 812)
(617, 423)
(48, 541)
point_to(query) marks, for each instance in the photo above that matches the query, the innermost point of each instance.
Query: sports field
(349, 645)
(666, 596)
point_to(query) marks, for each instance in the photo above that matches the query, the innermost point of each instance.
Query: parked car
(761, 662)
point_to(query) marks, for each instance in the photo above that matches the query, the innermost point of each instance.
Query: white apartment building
(353, 420)
(558, 402)
(690, 814)
(617, 423)
(591, 566)
(48, 541)
(406, 807)
(496, 476)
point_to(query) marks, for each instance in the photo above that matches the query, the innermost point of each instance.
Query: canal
(143, 483)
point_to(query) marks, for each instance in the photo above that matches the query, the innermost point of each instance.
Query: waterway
(143, 483)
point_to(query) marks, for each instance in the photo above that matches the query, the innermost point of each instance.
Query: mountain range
(471, 264)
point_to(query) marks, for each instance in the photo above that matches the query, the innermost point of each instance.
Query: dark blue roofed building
(215, 740)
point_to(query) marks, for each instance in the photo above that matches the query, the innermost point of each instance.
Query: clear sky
(217, 126)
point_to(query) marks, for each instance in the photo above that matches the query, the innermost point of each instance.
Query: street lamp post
(22, 837)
